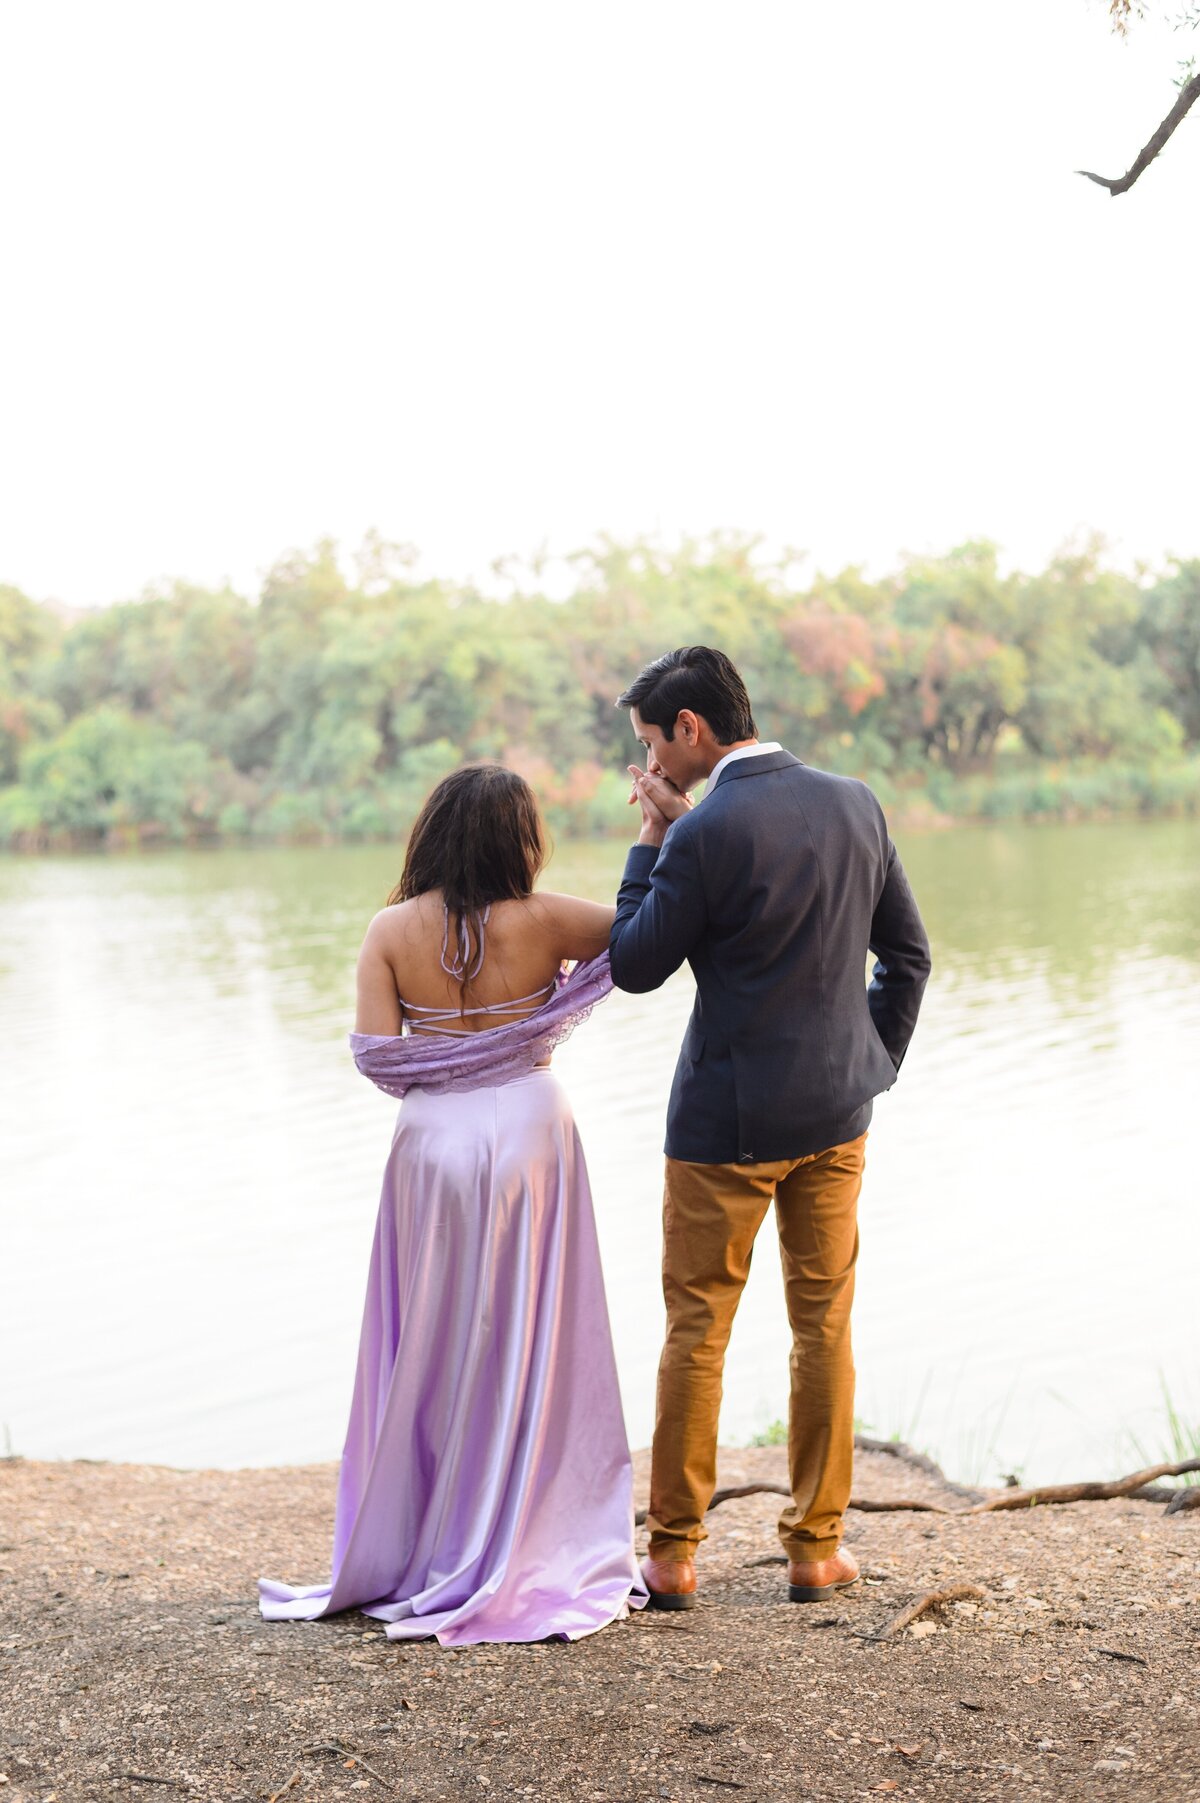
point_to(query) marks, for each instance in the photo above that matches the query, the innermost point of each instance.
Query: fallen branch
(23, 1646)
(294, 1779)
(1181, 1500)
(1112, 1652)
(953, 1593)
(1069, 1493)
(330, 1746)
(149, 1778)
(1189, 93)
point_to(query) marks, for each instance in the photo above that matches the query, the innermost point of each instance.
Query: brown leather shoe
(812, 1580)
(671, 1583)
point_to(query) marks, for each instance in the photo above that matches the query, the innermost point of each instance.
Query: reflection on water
(191, 1164)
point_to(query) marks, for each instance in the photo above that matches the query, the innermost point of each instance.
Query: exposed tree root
(729, 1495)
(736, 1490)
(1086, 1492)
(866, 1507)
(1140, 1485)
(920, 1461)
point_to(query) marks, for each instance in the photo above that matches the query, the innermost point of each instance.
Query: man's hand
(660, 801)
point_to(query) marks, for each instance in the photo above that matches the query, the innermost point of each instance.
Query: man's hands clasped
(660, 801)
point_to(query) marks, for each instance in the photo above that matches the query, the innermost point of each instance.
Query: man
(773, 888)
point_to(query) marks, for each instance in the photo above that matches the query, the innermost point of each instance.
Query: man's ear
(687, 722)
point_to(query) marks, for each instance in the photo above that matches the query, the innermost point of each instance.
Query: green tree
(954, 677)
(1080, 703)
(108, 771)
(29, 634)
(328, 707)
(1169, 629)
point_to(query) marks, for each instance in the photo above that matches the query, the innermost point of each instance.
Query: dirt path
(130, 1643)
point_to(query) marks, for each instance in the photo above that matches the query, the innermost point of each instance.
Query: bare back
(404, 955)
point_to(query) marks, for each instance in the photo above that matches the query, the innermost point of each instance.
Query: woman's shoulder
(552, 908)
(538, 905)
(576, 927)
(520, 919)
(402, 922)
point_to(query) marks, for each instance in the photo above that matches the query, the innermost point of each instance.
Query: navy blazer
(774, 888)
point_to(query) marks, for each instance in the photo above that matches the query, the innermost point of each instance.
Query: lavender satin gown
(485, 1490)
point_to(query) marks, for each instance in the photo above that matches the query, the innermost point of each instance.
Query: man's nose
(653, 765)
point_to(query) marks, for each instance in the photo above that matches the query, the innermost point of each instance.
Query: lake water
(190, 1164)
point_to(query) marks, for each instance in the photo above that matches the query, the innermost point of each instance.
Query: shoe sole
(808, 1593)
(665, 1599)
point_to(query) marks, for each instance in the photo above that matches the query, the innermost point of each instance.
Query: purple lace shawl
(398, 1063)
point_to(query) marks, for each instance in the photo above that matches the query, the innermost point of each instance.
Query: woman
(485, 1487)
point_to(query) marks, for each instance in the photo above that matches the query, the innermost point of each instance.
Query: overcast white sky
(498, 274)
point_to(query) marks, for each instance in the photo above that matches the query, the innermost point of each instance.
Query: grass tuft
(1178, 1439)
(774, 1434)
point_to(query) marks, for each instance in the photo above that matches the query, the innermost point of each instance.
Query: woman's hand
(660, 801)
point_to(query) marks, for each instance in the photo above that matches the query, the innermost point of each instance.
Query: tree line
(326, 707)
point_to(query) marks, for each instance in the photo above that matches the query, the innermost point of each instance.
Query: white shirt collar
(742, 751)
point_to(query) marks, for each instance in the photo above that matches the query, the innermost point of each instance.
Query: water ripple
(191, 1163)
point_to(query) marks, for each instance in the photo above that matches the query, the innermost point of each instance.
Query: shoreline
(915, 818)
(1063, 794)
(769, 1445)
(135, 1663)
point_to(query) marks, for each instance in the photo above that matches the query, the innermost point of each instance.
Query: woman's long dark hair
(479, 839)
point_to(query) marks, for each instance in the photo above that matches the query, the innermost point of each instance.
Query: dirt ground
(133, 1661)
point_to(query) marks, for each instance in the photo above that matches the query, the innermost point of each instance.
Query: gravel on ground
(134, 1663)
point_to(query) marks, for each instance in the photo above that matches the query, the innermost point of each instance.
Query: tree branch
(1188, 94)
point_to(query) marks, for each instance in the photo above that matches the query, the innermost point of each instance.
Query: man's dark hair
(698, 678)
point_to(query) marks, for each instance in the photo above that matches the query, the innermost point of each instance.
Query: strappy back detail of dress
(434, 1020)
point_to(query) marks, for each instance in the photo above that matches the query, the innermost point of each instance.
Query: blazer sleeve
(902, 962)
(661, 913)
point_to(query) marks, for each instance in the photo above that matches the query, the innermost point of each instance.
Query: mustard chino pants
(711, 1214)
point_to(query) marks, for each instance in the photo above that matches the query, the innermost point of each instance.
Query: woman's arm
(378, 1003)
(579, 928)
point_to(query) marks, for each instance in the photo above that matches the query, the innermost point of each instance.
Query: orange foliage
(841, 649)
(555, 786)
